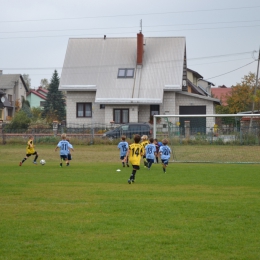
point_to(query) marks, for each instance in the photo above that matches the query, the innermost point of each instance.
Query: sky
(222, 37)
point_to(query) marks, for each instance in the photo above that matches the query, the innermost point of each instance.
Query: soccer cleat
(60, 164)
(129, 181)
(127, 165)
(34, 162)
(133, 181)
(20, 163)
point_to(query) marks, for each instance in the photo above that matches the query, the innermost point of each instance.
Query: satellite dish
(2, 99)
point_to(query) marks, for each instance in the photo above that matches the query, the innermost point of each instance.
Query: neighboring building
(128, 79)
(221, 93)
(37, 97)
(198, 85)
(12, 92)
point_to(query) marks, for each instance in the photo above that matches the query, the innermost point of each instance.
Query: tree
(27, 80)
(55, 103)
(242, 95)
(44, 83)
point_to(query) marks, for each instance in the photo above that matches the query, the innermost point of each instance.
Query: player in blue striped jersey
(165, 154)
(64, 146)
(123, 147)
(150, 152)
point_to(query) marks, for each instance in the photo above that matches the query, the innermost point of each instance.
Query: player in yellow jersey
(135, 153)
(30, 151)
(144, 142)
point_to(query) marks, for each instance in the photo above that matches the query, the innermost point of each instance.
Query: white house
(128, 80)
(12, 92)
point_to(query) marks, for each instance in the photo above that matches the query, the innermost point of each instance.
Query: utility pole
(256, 84)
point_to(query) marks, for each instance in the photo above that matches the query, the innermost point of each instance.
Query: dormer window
(125, 73)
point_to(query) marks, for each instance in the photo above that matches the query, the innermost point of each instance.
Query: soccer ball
(42, 162)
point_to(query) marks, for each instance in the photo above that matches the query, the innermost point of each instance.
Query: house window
(84, 109)
(42, 103)
(10, 97)
(102, 106)
(125, 73)
(10, 112)
(154, 110)
(121, 116)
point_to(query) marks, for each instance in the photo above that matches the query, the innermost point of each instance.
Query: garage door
(197, 124)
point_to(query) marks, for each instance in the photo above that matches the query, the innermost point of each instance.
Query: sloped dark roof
(195, 89)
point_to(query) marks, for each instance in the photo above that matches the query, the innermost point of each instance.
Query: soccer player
(30, 151)
(150, 152)
(69, 153)
(123, 147)
(165, 154)
(144, 142)
(157, 145)
(64, 146)
(135, 153)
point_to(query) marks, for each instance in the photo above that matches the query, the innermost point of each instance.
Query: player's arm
(127, 154)
(71, 148)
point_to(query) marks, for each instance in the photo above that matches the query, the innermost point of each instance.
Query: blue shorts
(122, 157)
(64, 157)
(165, 162)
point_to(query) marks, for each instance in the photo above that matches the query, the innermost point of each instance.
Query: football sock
(36, 156)
(24, 159)
(60, 164)
(132, 177)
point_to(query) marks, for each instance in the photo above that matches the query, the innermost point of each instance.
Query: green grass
(89, 211)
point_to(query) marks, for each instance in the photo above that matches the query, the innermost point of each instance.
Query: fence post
(187, 129)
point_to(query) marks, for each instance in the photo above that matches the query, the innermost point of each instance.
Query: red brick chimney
(140, 48)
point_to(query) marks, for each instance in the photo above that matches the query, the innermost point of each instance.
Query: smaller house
(198, 85)
(37, 97)
(221, 93)
(12, 92)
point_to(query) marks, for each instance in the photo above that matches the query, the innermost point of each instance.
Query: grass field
(89, 211)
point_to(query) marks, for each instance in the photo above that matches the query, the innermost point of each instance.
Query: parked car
(129, 130)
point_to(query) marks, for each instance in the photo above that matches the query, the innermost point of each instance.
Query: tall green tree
(54, 106)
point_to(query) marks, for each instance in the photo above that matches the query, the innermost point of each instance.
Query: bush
(20, 121)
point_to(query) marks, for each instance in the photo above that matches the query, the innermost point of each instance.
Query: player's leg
(69, 159)
(61, 158)
(150, 162)
(122, 158)
(24, 159)
(163, 165)
(145, 161)
(132, 176)
(35, 158)
(127, 164)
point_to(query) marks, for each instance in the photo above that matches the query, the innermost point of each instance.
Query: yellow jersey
(144, 143)
(136, 152)
(30, 147)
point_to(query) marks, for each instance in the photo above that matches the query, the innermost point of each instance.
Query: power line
(127, 15)
(130, 27)
(108, 65)
(117, 33)
(231, 70)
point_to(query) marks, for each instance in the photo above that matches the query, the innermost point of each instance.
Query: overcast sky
(221, 36)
